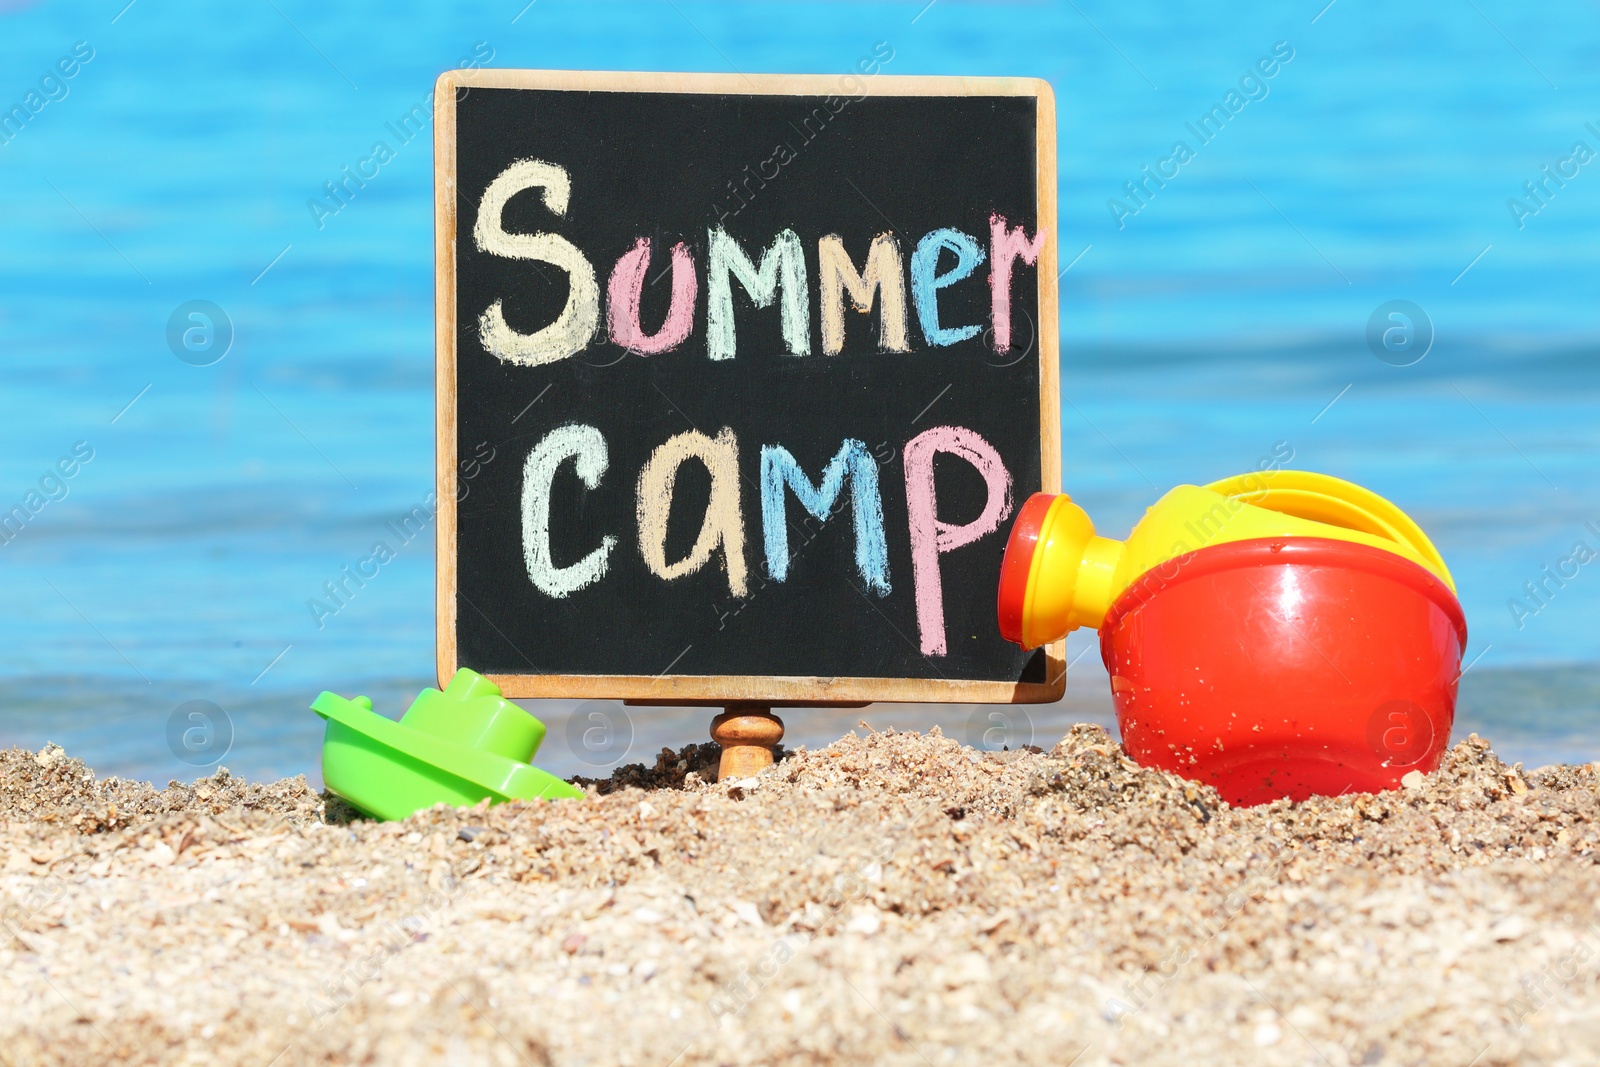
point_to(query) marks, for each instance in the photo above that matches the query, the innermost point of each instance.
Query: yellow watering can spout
(1059, 574)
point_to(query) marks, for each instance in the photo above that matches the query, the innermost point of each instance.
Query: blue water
(1223, 318)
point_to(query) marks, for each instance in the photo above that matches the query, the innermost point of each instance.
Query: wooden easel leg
(747, 733)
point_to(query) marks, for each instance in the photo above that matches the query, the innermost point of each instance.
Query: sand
(892, 899)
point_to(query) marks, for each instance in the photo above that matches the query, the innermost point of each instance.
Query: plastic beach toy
(454, 747)
(1277, 634)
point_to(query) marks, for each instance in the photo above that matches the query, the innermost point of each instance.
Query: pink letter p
(930, 537)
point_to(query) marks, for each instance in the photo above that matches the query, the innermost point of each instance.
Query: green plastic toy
(454, 747)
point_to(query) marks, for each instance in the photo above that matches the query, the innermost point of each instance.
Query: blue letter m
(853, 461)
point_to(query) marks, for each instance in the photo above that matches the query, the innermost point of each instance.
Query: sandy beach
(894, 898)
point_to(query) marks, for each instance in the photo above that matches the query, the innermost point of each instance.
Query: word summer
(722, 529)
(780, 276)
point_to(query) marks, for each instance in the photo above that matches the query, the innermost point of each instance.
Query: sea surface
(1206, 323)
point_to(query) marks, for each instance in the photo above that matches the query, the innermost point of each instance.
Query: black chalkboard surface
(740, 382)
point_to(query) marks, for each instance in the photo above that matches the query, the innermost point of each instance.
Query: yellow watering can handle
(1324, 498)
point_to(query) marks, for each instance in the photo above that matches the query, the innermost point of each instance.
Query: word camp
(778, 277)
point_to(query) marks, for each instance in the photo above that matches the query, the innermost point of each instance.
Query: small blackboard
(741, 381)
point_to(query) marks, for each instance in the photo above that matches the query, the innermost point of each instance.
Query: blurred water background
(1227, 316)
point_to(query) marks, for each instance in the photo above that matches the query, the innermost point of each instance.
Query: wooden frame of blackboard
(791, 691)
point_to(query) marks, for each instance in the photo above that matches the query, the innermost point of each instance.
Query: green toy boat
(457, 747)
